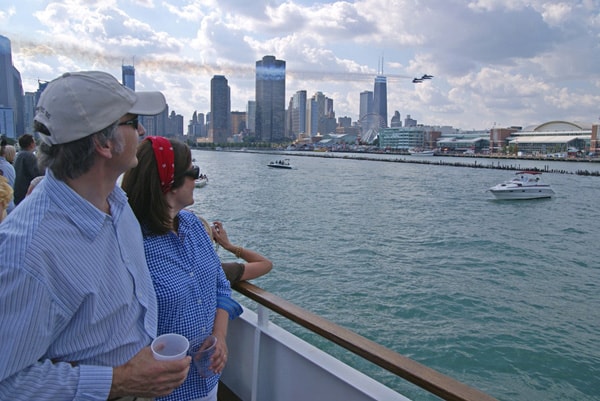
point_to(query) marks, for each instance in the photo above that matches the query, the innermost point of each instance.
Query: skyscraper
(270, 99)
(128, 72)
(11, 91)
(380, 100)
(220, 109)
(298, 113)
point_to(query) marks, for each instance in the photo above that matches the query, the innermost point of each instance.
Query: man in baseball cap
(74, 284)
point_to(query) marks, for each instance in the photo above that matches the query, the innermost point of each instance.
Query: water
(501, 295)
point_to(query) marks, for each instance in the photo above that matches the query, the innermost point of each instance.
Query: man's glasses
(194, 172)
(133, 122)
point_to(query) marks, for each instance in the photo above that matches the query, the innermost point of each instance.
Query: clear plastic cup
(202, 351)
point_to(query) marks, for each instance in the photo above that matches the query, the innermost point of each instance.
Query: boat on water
(201, 181)
(525, 185)
(421, 152)
(268, 363)
(285, 163)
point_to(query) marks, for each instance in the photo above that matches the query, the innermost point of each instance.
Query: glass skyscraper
(220, 109)
(380, 100)
(270, 99)
(11, 93)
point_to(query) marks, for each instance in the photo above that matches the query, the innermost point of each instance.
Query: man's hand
(144, 376)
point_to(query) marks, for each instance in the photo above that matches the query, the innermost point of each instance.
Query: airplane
(417, 80)
(426, 77)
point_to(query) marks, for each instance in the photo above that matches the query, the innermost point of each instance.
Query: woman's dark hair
(142, 185)
(73, 159)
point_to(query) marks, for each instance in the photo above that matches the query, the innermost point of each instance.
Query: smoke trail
(99, 57)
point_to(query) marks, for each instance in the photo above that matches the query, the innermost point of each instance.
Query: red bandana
(165, 161)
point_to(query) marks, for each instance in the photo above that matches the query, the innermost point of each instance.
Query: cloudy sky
(496, 62)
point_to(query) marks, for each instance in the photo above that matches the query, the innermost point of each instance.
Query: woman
(6, 196)
(193, 294)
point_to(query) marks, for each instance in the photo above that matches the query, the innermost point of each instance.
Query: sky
(496, 63)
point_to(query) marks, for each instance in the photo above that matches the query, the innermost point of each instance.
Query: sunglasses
(133, 122)
(194, 172)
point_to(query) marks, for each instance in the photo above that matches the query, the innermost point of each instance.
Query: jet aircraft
(426, 77)
(417, 80)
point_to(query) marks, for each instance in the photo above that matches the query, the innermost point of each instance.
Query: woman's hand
(220, 235)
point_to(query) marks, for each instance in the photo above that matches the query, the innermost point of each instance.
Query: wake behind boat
(285, 163)
(526, 185)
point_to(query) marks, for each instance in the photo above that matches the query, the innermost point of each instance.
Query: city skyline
(494, 63)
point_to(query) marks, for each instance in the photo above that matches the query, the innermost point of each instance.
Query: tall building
(251, 116)
(270, 100)
(366, 118)
(128, 74)
(380, 100)
(11, 92)
(298, 113)
(220, 109)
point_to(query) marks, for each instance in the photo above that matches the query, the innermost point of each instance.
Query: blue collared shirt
(76, 298)
(190, 285)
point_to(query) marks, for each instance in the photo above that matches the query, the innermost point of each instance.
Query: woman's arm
(256, 264)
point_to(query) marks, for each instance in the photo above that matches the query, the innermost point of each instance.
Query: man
(26, 167)
(77, 305)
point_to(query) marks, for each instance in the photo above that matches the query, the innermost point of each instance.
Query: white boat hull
(522, 193)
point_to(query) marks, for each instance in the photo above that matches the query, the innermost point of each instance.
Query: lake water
(501, 295)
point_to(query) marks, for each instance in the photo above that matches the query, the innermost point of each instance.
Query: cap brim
(148, 103)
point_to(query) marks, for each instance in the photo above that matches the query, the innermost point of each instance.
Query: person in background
(256, 264)
(33, 184)
(8, 171)
(6, 195)
(10, 153)
(77, 305)
(26, 166)
(194, 296)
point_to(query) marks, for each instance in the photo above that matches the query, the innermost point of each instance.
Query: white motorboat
(200, 182)
(526, 185)
(285, 163)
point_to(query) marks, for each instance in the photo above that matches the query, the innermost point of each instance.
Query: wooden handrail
(416, 373)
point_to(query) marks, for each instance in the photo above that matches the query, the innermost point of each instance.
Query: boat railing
(428, 379)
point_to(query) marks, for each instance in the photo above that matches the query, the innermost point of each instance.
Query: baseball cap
(78, 104)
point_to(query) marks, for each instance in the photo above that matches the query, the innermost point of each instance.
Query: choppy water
(501, 295)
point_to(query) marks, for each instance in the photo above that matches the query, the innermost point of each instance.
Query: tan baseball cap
(78, 104)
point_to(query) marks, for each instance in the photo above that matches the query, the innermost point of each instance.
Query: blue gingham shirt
(76, 298)
(190, 285)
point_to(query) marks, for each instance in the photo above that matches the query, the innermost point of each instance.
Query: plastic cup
(170, 347)
(201, 352)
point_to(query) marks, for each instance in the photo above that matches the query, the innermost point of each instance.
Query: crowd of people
(90, 272)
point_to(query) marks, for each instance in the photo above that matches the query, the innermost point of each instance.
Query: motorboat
(285, 163)
(421, 152)
(525, 185)
(201, 181)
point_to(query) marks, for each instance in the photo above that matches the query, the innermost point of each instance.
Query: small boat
(421, 152)
(201, 181)
(526, 185)
(285, 163)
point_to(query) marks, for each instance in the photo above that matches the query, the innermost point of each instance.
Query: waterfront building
(11, 92)
(270, 100)
(197, 127)
(409, 122)
(220, 109)
(7, 122)
(402, 138)
(553, 137)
